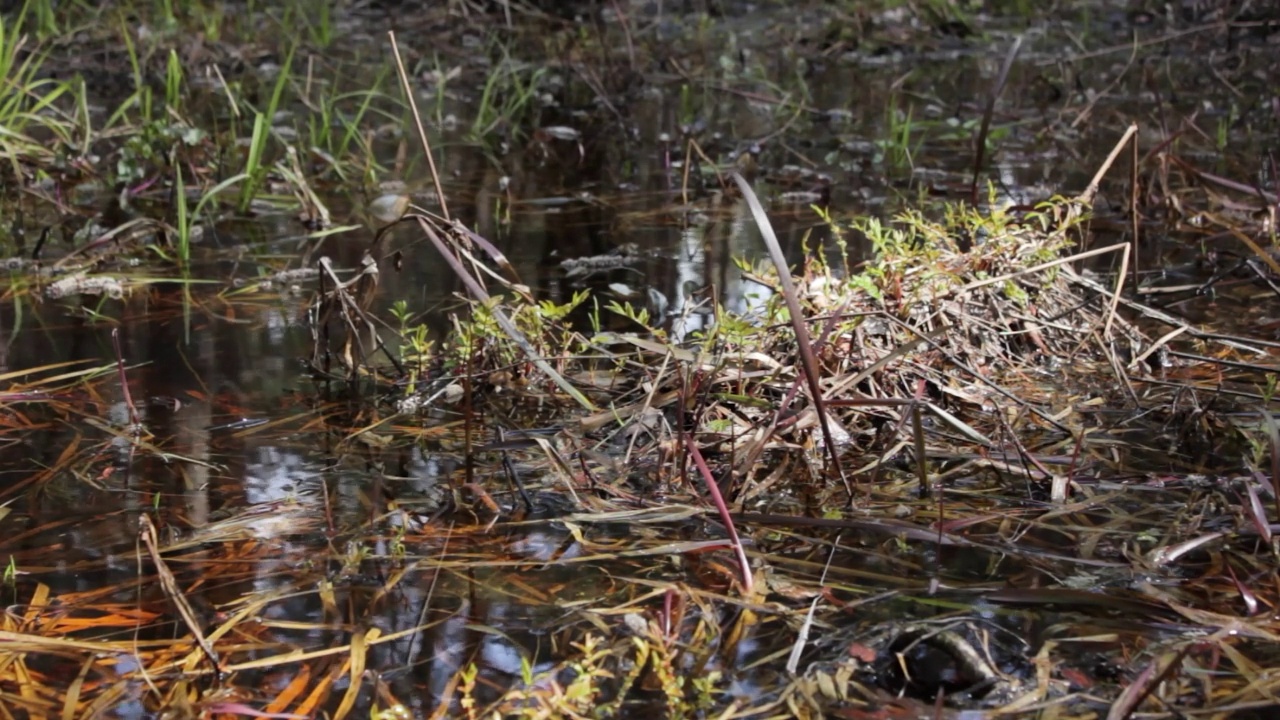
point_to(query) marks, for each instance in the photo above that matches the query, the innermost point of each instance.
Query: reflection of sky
(738, 296)
(497, 652)
(691, 259)
(743, 297)
(426, 471)
(276, 325)
(129, 709)
(544, 546)
(1013, 188)
(276, 473)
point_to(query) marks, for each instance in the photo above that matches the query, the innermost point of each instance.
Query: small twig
(1135, 219)
(917, 433)
(170, 586)
(124, 382)
(514, 476)
(802, 637)
(684, 180)
(1161, 342)
(1115, 294)
(710, 163)
(1042, 266)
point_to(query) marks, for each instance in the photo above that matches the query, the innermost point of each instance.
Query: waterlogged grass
(28, 101)
(165, 99)
(224, 113)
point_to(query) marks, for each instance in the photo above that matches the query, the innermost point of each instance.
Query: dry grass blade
(1086, 197)
(417, 121)
(359, 656)
(917, 433)
(1146, 682)
(797, 324)
(78, 375)
(18, 642)
(802, 637)
(73, 692)
(170, 585)
(1273, 442)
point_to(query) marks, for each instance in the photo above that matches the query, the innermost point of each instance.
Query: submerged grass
(26, 98)
(171, 137)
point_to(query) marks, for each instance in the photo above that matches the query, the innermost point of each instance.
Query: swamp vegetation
(690, 359)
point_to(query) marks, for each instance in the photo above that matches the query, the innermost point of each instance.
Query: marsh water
(604, 147)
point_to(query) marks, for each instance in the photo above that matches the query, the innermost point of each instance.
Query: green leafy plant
(44, 18)
(640, 316)
(901, 143)
(185, 219)
(415, 349)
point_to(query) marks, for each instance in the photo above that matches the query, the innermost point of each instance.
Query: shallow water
(339, 531)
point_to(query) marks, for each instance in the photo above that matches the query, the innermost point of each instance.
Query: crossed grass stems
(157, 132)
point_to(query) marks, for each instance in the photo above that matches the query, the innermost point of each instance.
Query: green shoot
(173, 81)
(254, 172)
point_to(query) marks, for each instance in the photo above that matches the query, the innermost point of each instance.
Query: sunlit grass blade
(253, 169)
